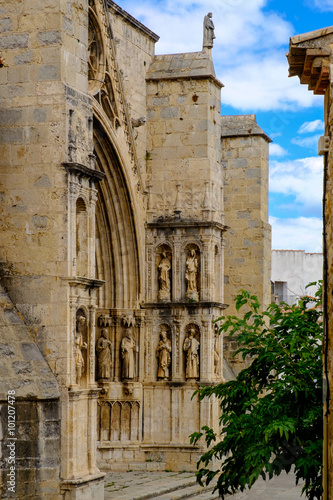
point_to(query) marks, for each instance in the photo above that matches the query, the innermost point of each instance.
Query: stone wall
(111, 159)
(29, 413)
(247, 263)
(183, 109)
(135, 47)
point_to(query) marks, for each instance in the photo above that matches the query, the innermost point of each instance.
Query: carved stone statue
(163, 352)
(216, 350)
(191, 347)
(191, 273)
(79, 345)
(103, 349)
(164, 268)
(128, 348)
(208, 31)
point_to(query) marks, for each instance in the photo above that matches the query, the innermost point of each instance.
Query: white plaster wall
(297, 268)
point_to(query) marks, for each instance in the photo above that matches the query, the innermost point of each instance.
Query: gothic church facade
(131, 214)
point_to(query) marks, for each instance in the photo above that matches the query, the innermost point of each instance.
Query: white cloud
(310, 127)
(277, 150)
(303, 179)
(249, 49)
(307, 142)
(322, 5)
(263, 84)
(302, 233)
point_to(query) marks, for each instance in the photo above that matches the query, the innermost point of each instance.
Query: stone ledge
(183, 223)
(191, 305)
(68, 484)
(131, 20)
(83, 171)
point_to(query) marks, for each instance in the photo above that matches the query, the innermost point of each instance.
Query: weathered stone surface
(14, 41)
(49, 37)
(91, 202)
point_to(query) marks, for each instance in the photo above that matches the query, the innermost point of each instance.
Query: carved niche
(81, 238)
(164, 272)
(128, 350)
(163, 353)
(80, 347)
(192, 272)
(103, 351)
(191, 348)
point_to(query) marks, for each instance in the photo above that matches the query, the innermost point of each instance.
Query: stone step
(151, 489)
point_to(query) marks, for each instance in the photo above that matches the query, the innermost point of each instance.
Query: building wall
(310, 58)
(30, 413)
(248, 241)
(247, 252)
(110, 157)
(296, 268)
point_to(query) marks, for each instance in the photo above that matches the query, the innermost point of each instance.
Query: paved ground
(174, 486)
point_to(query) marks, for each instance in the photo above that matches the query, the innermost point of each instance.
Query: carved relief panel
(97, 59)
(118, 421)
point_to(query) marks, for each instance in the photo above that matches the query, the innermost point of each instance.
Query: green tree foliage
(272, 413)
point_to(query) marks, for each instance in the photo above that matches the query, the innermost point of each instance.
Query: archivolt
(116, 236)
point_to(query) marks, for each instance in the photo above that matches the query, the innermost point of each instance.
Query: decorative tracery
(96, 61)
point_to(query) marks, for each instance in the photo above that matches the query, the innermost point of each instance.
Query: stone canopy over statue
(208, 31)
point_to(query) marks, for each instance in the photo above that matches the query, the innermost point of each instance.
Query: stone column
(148, 354)
(177, 351)
(148, 417)
(176, 269)
(176, 412)
(92, 431)
(91, 340)
(205, 352)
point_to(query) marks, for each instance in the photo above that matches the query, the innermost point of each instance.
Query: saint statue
(164, 268)
(191, 274)
(128, 348)
(191, 347)
(103, 349)
(79, 345)
(208, 31)
(164, 357)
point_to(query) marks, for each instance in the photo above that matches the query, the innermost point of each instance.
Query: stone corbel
(128, 388)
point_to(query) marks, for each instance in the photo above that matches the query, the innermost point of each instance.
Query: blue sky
(252, 38)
